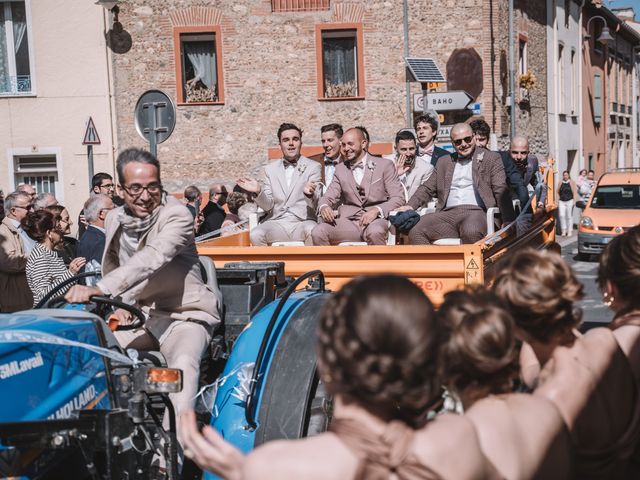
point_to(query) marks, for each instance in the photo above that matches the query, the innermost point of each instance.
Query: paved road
(594, 311)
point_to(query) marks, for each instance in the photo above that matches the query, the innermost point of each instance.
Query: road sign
(91, 136)
(456, 100)
(155, 117)
(444, 133)
(475, 108)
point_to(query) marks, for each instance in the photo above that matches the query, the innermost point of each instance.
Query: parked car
(614, 207)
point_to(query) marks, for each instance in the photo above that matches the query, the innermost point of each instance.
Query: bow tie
(330, 162)
(357, 165)
(288, 164)
(422, 151)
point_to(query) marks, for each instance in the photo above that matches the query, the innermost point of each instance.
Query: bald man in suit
(364, 190)
(466, 183)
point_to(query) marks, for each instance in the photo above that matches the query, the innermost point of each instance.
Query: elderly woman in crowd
(69, 246)
(45, 269)
(377, 352)
(523, 435)
(588, 377)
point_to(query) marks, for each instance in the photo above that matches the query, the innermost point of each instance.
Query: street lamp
(605, 36)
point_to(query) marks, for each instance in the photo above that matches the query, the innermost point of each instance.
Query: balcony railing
(10, 85)
(299, 5)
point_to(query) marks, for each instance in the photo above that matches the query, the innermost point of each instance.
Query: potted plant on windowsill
(527, 82)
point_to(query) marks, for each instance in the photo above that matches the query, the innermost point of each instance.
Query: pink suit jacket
(380, 183)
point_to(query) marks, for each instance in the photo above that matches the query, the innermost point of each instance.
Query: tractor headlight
(586, 222)
(157, 380)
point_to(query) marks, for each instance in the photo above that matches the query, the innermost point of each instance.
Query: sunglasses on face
(466, 140)
(27, 208)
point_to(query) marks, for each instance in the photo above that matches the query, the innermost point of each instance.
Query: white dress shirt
(424, 155)
(288, 172)
(329, 169)
(462, 191)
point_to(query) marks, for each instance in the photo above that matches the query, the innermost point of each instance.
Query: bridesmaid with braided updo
(377, 354)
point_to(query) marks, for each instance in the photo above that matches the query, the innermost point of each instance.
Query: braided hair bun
(377, 344)
(480, 356)
(540, 290)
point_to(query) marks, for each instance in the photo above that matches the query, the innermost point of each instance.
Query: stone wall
(269, 69)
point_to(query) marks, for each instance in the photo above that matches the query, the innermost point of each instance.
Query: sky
(625, 3)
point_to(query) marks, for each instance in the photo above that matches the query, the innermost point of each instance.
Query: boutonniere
(371, 164)
(481, 156)
(301, 167)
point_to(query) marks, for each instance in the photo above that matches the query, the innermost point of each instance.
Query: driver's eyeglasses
(136, 189)
(517, 152)
(466, 140)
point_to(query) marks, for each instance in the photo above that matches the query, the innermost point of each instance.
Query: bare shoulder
(443, 442)
(319, 457)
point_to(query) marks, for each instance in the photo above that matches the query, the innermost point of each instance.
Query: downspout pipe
(512, 72)
(405, 24)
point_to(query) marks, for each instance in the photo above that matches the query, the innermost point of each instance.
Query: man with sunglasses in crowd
(15, 294)
(151, 261)
(466, 183)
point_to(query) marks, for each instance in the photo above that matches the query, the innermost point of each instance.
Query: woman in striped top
(45, 267)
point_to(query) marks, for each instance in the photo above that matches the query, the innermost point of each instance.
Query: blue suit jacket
(91, 245)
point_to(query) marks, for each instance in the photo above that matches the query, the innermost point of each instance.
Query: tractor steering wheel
(99, 300)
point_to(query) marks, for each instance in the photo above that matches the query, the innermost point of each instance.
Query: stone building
(609, 76)
(236, 70)
(54, 75)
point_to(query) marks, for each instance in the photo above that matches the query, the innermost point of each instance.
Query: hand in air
(309, 188)
(327, 215)
(400, 164)
(76, 264)
(369, 216)
(209, 450)
(249, 184)
(81, 294)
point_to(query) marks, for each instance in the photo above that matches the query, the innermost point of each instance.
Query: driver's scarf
(133, 228)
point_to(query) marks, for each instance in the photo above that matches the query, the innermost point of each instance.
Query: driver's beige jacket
(163, 276)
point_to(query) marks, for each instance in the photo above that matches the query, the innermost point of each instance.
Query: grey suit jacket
(164, 275)
(277, 199)
(489, 180)
(380, 185)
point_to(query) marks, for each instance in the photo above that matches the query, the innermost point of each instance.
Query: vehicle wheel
(294, 403)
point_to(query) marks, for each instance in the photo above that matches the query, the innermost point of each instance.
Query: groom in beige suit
(364, 190)
(286, 193)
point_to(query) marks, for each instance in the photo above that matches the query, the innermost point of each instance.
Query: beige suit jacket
(380, 183)
(15, 294)
(489, 181)
(278, 199)
(163, 276)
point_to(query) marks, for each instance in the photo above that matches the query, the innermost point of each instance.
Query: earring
(607, 299)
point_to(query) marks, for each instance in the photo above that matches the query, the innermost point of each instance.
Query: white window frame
(6, 4)
(26, 152)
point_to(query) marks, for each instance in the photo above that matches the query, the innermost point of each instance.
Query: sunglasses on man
(457, 142)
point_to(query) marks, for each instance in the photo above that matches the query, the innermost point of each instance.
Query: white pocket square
(376, 181)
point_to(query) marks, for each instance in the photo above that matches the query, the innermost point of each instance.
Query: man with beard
(466, 183)
(364, 190)
(411, 173)
(213, 212)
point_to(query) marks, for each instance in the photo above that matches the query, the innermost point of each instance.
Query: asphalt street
(594, 311)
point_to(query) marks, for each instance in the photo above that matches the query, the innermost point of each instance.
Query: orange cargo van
(614, 207)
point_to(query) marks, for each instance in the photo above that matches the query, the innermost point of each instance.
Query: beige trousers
(282, 230)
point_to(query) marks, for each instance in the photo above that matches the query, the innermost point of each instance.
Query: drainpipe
(512, 73)
(405, 24)
(634, 112)
(581, 159)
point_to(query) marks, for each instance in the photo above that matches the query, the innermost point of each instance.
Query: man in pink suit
(364, 190)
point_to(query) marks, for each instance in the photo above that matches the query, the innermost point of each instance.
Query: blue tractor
(75, 405)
